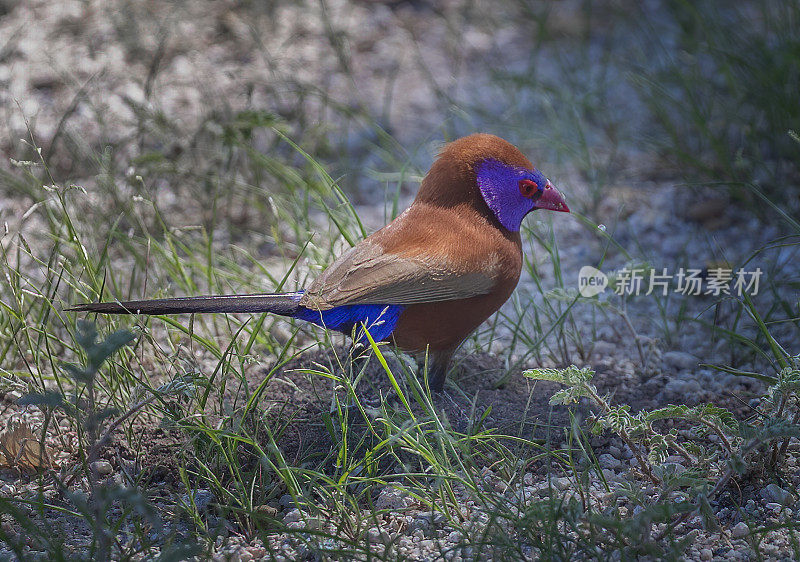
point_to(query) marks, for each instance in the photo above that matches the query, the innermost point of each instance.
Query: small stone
(680, 390)
(615, 452)
(527, 479)
(774, 493)
(695, 522)
(426, 522)
(8, 529)
(610, 475)
(454, 537)
(390, 499)
(605, 497)
(257, 551)
(607, 460)
(706, 554)
(561, 484)
(292, 516)
(266, 510)
(201, 498)
(679, 360)
(772, 506)
(596, 441)
(103, 468)
(427, 544)
(740, 530)
(243, 556)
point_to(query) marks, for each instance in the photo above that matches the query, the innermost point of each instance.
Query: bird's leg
(438, 365)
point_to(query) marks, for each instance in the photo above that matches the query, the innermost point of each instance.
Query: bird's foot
(437, 372)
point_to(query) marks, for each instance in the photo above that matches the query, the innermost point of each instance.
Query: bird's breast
(444, 325)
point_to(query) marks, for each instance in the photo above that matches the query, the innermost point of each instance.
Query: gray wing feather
(366, 275)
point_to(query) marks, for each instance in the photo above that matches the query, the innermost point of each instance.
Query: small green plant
(109, 505)
(712, 463)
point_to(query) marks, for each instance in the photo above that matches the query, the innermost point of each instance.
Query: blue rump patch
(380, 319)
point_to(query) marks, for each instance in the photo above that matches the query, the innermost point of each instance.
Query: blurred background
(247, 133)
(657, 90)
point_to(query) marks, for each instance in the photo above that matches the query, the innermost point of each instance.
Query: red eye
(528, 188)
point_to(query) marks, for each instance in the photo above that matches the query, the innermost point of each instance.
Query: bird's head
(514, 191)
(485, 170)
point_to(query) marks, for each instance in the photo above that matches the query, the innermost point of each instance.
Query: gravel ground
(406, 68)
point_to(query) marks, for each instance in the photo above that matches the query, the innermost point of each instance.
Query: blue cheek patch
(499, 185)
(380, 319)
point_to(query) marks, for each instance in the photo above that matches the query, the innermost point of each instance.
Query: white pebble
(103, 468)
(740, 530)
(561, 483)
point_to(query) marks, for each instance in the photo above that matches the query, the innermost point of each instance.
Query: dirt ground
(299, 393)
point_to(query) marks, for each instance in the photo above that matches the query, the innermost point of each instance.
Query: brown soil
(297, 399)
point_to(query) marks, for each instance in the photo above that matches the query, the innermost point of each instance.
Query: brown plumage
(449, 229)
(448, 260)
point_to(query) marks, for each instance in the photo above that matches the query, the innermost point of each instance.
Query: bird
(426, 280)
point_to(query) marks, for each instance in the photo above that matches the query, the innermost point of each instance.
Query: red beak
(552, 200)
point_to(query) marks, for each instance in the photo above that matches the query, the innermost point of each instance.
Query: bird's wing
(366, 274)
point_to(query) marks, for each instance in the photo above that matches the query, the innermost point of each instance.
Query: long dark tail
(285, 304)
